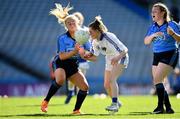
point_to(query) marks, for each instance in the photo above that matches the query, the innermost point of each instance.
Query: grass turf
(138, 107)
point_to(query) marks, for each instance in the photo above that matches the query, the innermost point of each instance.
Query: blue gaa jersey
(66, 43)
(165, 42)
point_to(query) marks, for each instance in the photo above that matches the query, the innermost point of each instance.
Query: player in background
(116, 56)
(163, 35)
(170, 82)
(83, 64)
(65, 62)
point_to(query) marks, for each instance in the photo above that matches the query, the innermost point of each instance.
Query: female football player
(116, 56)
(83, 64)
(163, 35)
(65, 62)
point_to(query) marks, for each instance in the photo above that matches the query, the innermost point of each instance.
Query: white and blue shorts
(124, 61)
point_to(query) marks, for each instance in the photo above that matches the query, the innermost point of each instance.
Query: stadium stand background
(28, 41)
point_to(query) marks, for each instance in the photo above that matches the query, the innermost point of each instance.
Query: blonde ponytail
(60, 13)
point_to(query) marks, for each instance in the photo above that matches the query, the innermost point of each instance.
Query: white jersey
(110, 46)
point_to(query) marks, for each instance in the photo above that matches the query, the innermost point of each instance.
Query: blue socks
(114, 100)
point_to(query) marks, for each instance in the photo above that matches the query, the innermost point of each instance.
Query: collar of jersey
(155, 23)
(102, 36)
(68, 34)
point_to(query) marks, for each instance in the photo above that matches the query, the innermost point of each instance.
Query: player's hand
(88, 55)
(81, 51)
(115, 60)
(170, 31)
(158, 34)
(76, 48)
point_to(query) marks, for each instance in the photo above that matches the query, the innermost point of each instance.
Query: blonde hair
(97, 24)
(163, 8)
(80, 17)
(71, 17)
(60, 12)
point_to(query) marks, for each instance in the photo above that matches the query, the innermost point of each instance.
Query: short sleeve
(60, 44)
(174, 26)
(149, 31)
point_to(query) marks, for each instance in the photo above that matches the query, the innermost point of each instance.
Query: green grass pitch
(138, 107)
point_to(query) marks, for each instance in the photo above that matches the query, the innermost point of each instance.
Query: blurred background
(28, 37)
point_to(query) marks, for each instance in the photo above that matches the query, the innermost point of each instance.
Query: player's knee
(85, 88)
(157, 79)
(156, 82)
(60, 81)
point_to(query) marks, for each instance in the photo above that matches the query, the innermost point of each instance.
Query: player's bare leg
(115, 73)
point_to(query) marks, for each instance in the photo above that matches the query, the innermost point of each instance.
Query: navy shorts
(167, 57)
(69, 65)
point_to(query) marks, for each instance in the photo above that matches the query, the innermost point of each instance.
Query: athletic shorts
(69, 65)
(83, 65)
(167, 57)
(123, 61)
